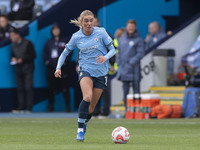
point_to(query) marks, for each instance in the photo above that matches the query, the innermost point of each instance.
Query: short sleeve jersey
(90, 48)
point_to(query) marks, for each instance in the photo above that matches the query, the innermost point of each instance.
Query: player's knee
(88, 97)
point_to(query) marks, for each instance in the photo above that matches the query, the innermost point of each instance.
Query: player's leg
(99, 84)
(96, 94)
(97, 110)
(86, 85)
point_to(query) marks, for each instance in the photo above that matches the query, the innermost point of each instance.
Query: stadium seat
(19, 23)
(37, 10)
(3, 9)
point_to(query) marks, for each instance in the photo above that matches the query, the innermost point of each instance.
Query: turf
(60, 134)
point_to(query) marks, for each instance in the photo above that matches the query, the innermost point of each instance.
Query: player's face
(130, 27)
(87, 24)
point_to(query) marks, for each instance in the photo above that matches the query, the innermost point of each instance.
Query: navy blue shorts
(99, 82)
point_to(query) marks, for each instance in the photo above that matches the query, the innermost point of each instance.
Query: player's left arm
(111, 53)
(108, 42)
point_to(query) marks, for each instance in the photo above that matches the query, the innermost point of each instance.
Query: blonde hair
(77, 21)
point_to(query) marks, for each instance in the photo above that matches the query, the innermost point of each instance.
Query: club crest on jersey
(96, 39)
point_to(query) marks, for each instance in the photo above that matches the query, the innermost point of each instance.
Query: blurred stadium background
(40, 130)
(179, 16)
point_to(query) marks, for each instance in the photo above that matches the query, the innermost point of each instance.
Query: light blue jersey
(90, 48)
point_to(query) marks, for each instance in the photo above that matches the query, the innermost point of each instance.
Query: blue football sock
(83, 113)
(89, 117)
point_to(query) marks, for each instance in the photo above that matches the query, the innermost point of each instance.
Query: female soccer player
(93, 65)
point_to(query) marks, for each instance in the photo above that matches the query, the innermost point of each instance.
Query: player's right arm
(68, 48)
(61, 61)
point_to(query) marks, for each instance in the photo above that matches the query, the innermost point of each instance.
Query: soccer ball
(120, 135)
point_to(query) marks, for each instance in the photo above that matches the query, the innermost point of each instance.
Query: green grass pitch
(60, 134)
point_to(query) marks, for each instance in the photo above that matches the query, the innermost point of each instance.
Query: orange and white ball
(120, 135)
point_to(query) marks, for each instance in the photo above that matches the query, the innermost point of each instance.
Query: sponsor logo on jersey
(89, 48)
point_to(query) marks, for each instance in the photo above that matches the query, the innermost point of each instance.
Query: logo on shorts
(96, 39)
(81, 73)
(106, 80)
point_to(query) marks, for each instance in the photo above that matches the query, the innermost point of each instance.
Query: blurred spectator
(190, 65)
(119, 32)
(96, 22)
(169, 32)
(22, 55)
(21, 9)
(52, 50)
(130, 52)
(156, 33)
(113, 64)
(5, 27)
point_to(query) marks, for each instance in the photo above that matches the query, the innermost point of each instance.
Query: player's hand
(58, 73)
(101, 59)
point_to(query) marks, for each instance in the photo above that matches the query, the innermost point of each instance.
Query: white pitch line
(162, 123)
(103, 122)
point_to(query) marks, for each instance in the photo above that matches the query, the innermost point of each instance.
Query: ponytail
(77, 22)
